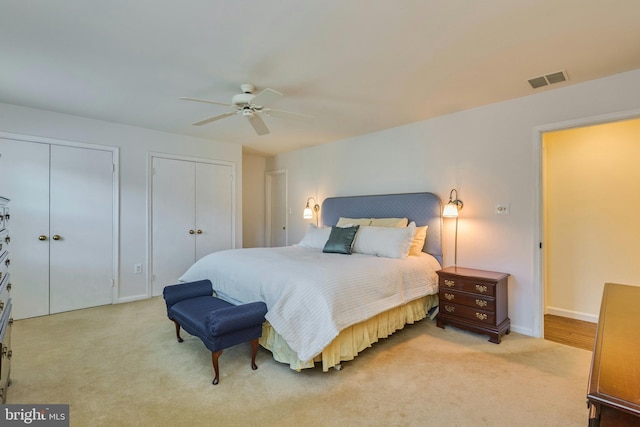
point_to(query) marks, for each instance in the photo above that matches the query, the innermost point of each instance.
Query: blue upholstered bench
(217, 323)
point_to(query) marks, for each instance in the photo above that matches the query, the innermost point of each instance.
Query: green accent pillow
(340, 240)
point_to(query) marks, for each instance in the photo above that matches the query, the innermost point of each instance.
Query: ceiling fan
(252, 106)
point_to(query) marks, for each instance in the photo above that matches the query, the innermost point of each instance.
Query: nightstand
(475, 300)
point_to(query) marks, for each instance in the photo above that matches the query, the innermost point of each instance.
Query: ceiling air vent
(549, 79)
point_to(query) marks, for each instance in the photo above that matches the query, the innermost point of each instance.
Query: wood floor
(576, 333)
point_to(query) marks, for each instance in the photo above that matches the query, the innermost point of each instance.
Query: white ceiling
(357, 66)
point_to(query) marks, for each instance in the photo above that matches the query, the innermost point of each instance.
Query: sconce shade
(450, 210)
(308, 210)
(453, 206)
(307, 214)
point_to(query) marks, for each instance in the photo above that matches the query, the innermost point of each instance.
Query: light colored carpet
(120, 365)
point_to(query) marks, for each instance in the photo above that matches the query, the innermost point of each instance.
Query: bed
(328, 307)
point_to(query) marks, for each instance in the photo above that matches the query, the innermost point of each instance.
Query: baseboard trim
(131, 299)
(572, 314)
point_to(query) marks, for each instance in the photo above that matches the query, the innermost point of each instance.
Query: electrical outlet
(137, 268)
(502, 209)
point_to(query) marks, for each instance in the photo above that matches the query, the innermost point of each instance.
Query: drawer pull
(481, 303)
(449, 308)
(7, 239)
(10, 323)
(449, 297)
(1, 305)
(7, 262)
(8, 286)
(481, 316)
(449, 283)
(481, 288)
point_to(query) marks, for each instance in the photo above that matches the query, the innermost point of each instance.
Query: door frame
(115, 157)
(268, 189)
(150, 156)
(539, 272)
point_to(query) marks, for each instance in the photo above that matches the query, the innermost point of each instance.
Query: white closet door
(214, 185)
(81, 200)
(173, 220)
(24, 178)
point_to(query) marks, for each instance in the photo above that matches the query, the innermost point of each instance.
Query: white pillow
(384, 241)
(316, 237)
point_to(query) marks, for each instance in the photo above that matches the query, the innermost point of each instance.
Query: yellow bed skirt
(353, 339)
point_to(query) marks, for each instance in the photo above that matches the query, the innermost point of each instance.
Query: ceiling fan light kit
(251, 106)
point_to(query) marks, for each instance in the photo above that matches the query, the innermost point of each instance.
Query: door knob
(56, 237)
(42, 237)
(199, 231)
(192, 232)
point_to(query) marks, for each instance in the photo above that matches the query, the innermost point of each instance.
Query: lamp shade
(450, 210)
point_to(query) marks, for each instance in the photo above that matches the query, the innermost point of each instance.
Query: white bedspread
(311, 296)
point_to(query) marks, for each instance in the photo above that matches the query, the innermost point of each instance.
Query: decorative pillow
(385, 241)
(340, 240)
(316, 237)
(418, 240)
(348, 222)
(389, 222)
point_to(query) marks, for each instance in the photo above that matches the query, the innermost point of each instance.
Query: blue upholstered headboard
(423, 208)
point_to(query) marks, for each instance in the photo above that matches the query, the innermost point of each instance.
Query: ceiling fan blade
(186, 98)
(286, 114)
(258, 124)
(266, 97)
(214, 118)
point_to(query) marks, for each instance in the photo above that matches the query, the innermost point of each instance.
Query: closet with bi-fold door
(192, 213)
(63, 198)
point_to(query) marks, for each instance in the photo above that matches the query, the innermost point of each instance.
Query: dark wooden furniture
(475, 300)
(6, 321)
(614, 382)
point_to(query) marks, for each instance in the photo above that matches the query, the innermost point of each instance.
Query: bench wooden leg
(254, 352)
(214, 358)
(178, 331)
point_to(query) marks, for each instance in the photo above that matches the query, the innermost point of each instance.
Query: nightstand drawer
(469, 313)
(471, 300)
(468, 285)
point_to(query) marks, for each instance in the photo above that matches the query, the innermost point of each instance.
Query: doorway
(587, 169)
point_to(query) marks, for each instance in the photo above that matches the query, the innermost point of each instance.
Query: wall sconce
(451, 210)
(309, 210)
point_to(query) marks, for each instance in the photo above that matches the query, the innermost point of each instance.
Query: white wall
(134, 145)
(489, 154)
